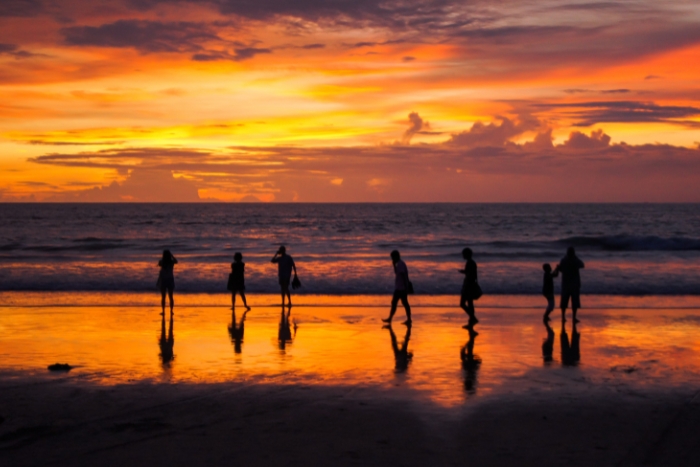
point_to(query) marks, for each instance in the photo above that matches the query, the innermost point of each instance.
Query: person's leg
(463, 302)
(550, 307)
(394, 302)
(406, 306)
(172, 302)
(245, 302)
(282, 292)
(233, 299)
(564, 303)
(289, 297)
(575, 305)
(162, 299)
(472, 311)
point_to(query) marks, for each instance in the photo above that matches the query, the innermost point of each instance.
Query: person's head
(467, 253)
(167, 256)
(282, 250)
(237, 257)
(395, 256)
(547, 267)
(570, 252)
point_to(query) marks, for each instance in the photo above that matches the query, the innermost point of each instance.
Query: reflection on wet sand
(166, 344)
(402, 357)
(570, 353)
(470, 362)
(236, 331)
(343, 347)
(284, 330)
(548, 344)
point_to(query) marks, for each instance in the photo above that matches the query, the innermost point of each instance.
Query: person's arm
(581, 265)
(404, 274)
(275, 259)
(294, 266)
(174, 260)
(555, 273)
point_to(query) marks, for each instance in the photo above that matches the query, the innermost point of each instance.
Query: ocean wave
(633, 243)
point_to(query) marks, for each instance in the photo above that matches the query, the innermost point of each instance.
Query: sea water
(628, 249)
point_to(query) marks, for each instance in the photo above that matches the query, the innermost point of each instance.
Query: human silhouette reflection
(236, 331)
(284, 332)
(470, 362)
(402, 356)
(166, 342)
(548, 343)
(570, 350)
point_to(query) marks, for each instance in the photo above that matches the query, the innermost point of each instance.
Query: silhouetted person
(167, 343)
(166, 278)
(570, 352)
(570, 282)
(237, 331)
(470, 362)
(236, 282)
(400, 288)
(285, 265)
(470, 288)
(548, 288)
(548, 344)
(402, 357)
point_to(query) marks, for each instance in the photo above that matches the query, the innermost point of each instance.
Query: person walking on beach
(236, 280)
(569, 267)
(285, 265)
(401, 288)
(548, 288)
(166, 278)
(470, 288)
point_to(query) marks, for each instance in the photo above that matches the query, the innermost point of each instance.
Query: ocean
(628, 249)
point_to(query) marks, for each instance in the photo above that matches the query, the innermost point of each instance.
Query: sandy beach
(331, 394)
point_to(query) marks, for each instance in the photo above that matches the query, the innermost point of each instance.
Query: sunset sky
(349, 100)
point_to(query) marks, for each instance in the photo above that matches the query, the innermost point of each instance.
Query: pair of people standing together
(285, 266)
(403, 287)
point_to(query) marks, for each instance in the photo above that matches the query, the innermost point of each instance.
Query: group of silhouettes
(568, 267)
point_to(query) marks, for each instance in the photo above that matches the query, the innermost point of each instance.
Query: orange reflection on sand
(329, 345)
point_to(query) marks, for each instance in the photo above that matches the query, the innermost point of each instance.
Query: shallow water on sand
(625, 349)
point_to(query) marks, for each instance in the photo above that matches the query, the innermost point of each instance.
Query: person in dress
(166, 278)
(470, 288)
(236, 283)
(401, 288)
(285, 265)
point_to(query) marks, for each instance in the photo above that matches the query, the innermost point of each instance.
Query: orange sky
(164, 100)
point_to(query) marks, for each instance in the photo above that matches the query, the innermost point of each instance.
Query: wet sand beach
(152, 392)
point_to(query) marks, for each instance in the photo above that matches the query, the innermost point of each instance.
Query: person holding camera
(285, 265)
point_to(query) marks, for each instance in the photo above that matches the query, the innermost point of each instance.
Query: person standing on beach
(166, 278)
(401, 288)
(236, 280)
(569, 267)
(470, 288)
(548, 288)
(285, 265)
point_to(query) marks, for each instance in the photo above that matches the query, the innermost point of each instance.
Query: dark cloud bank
(479, 164)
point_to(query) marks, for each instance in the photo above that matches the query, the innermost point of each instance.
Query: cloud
(140, 186)
(493, 134)
(416, 126)
(313, 46)
(20, 8)
(144, 36)
(590, 113)
(480, 164)
(13, 49)
(579, 141)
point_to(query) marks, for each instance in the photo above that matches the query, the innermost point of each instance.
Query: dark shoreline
(63, 422)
